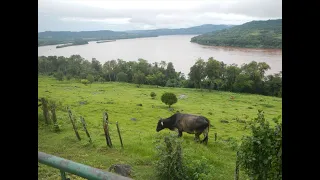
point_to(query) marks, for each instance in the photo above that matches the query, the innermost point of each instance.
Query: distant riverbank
(76, 43)
(105, 41)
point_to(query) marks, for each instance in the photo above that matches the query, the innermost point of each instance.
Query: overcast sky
(120, 15)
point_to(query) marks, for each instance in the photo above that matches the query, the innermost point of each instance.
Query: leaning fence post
(236, 173)
(45, 110)
(54, 117)
(119, 134)
(73, 124)
(85, 128)
(106, 129)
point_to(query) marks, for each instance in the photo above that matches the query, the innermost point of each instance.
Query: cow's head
(160, 125)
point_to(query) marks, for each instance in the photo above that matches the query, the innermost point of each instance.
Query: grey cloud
(52, 13)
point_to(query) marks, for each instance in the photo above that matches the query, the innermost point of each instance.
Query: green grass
(139, 136)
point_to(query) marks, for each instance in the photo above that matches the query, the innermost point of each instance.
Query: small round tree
(169, 98)
(84, 81)
(153, 95)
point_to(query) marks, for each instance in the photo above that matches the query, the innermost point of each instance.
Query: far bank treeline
(210, 74)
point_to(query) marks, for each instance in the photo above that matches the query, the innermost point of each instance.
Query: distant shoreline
(103, 41)
(72, 44)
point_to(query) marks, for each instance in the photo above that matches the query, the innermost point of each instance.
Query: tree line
(210, 74)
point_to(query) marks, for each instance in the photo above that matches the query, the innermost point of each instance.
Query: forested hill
(192, 30)
(62, 37)
(254, 34)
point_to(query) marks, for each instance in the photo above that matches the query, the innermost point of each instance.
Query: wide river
(176, 49)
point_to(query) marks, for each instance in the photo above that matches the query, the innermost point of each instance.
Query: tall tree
(197, 72)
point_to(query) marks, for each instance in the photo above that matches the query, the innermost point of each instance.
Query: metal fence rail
(75, 168)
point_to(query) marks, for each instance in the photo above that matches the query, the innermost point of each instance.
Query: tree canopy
(211, 74)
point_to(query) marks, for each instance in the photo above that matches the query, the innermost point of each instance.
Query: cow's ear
(162, 123)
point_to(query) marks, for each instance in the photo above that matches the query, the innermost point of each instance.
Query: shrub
(101, 79)
(169, 98)
(58, 75)
(260, 155)
(90, 78)
(84, 81)
(68, 77)
(153, 95)
(169, 164)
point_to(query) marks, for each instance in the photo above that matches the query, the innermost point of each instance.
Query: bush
(169, 165)
(153, 95)
(260, 155)
(84, 81)
(198, 169)
(101, 79)
(90, 78)
(58, 75)
(169, 98)
(68, 77)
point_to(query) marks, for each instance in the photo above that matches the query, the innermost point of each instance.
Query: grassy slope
(139, 136)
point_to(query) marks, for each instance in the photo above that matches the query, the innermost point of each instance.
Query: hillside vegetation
(211, 74)
(183, 31)
(63, 37)
(138, 125)
(254, 34)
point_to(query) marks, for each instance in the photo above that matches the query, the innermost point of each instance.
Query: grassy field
(120, 101)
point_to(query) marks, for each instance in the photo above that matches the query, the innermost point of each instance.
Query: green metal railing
(76, 168)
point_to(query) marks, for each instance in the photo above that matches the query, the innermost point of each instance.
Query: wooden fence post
(85, 128)
(54, 117)
(236, 173)
(119, 134)
(73, 124)
(45, 111)
(106, 129)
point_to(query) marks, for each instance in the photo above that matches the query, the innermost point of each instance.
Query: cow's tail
(206, 132)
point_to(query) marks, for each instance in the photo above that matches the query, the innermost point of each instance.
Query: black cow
(189, 123)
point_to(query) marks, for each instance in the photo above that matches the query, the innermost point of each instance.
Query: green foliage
(58, 75)
(68, 76)
(211, 75)
(260, 154)
(122, 77)
(169, 165)
(139, 78)
(153, 95)
(90, 78)
(196, 169)
(254, 34)
(172, 164)
(84, 81)
(101, 79)
(169, 98)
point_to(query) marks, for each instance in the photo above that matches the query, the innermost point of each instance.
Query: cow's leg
(180, 133)
(197, 137)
